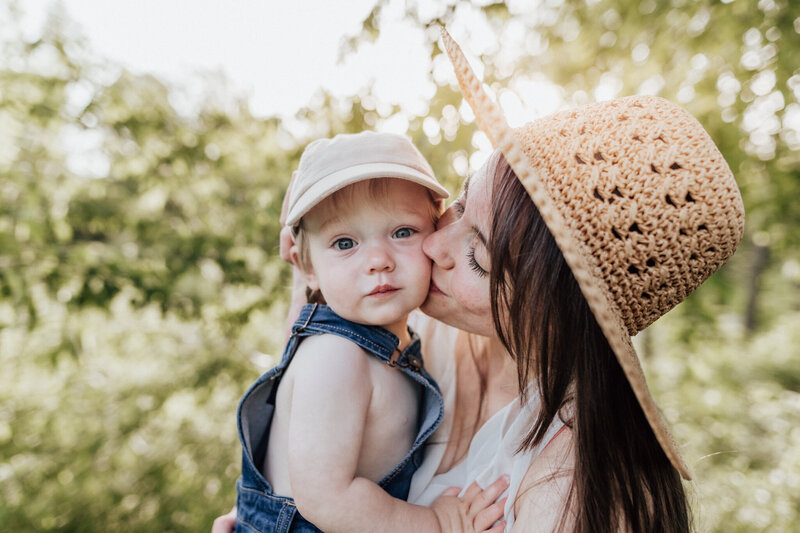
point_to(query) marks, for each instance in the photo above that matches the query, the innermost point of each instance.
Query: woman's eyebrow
(481, 236)
(466, 186)
(475, 229)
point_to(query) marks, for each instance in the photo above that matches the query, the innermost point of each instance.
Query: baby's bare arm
(330, 401)
(331, 395)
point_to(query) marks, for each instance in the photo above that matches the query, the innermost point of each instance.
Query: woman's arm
(544, 492)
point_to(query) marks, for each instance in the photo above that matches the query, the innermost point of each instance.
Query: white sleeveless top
(492, 451)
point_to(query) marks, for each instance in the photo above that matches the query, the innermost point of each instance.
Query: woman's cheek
(471, 291)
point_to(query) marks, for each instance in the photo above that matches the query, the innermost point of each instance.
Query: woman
(633, 208)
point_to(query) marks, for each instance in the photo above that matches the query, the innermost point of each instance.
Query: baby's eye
(344, 243)
(403, 233)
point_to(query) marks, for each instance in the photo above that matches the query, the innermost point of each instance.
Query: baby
(333, 434)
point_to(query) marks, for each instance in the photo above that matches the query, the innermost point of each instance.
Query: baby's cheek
(423, 266)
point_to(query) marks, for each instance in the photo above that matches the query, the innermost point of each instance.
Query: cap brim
(490, 119)
(341, 179)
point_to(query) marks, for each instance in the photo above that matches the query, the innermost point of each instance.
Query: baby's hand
(476, 511)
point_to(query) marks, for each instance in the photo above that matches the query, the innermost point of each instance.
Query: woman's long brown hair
(622, 478)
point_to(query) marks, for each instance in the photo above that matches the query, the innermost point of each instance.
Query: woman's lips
(383, 290)
(434, 289)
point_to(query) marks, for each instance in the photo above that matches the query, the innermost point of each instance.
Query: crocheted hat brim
(491, 121)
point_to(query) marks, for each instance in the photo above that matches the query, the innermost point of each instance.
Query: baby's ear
(313, 294)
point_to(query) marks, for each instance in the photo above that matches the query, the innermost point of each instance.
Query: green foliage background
(140, 297)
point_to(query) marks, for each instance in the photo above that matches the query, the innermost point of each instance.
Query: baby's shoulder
(330, 352)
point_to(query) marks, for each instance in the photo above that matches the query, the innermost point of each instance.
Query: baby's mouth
(382, 289)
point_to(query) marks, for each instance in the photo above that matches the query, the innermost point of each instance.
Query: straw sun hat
(638, 199)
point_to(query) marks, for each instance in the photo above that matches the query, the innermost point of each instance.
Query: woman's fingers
(285, 204)
(477, 510)
(478, 500)
(498, 528)
(472, 492)
(485, 518)
(451, 491)
(225, 523)
(286, 241)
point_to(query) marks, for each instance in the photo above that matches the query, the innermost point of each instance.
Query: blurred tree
(138, 255)
(141, 289)
(141, 292)
(731, 64)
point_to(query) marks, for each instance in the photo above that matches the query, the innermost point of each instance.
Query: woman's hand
(287, 245)
(286, 239)
(477, 510)
(225, 523)
(288, 252)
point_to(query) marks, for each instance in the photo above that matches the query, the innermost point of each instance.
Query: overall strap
(316, 319)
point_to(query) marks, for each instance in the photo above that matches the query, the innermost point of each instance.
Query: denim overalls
(258, 509)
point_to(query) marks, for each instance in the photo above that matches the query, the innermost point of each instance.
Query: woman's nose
(437, 246)
(379, 260)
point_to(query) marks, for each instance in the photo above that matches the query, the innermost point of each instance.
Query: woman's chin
(444, 309)
(435, 306)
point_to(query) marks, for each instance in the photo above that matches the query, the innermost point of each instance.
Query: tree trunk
(760, 259)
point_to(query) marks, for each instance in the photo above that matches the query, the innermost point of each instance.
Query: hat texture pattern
(647, 194)
(639, 200)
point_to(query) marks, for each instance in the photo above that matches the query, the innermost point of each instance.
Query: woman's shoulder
(545, 488)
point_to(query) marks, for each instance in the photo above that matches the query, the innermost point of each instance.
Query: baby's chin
(383, 320)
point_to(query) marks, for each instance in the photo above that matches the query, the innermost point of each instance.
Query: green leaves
(141, 290)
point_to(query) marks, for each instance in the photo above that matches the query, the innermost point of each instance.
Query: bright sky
(277, 53)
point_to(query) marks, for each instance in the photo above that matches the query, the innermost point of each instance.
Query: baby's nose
(379, 260)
